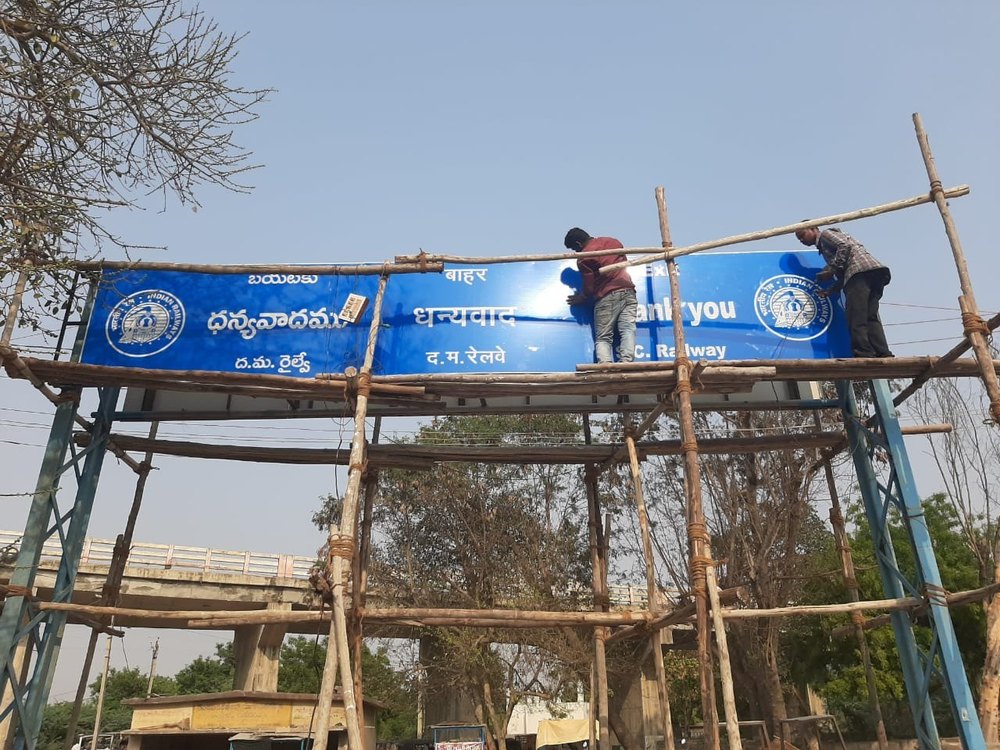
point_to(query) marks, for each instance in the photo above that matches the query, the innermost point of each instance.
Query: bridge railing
(184, 557)
(240, 563)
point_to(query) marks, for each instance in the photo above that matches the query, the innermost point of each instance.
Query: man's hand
(576, 299)
(822, 293)
(824, 276)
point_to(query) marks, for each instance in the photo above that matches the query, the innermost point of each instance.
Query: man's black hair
(576, 238)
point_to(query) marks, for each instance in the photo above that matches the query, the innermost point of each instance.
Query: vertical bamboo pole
(341, 542)
(360, 581)
(698, 539)
(725, 667)
(599, 696)
(652, 590)
(111, 593)
(975, 328)
(851, 584)
(15, 305)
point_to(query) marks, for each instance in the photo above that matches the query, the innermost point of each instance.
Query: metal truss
(30, 638)
(891, 495)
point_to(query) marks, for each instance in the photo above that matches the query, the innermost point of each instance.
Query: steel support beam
(20, 621)
(890, 496)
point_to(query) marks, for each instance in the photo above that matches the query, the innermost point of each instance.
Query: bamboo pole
(111, 592)
(763, 234)
(675, 617)
(975, 329)
(700, 551)
(226, 619)
(722, 643)
(341, 542)
(853, 593)
(424, 456)
(381, 269)
(956, 352)
(599, 696)
(359, 589)
(657, 253)
(652, 591)
(15, 305)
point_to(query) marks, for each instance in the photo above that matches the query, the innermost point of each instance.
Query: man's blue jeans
(615, 312)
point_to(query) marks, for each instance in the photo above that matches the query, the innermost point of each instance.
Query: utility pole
(152, 668)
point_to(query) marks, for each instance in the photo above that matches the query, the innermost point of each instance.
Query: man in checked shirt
(861, 277)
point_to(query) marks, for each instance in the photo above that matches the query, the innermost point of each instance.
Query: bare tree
(968, 461)
(102, 103)
(488, 536)
(763, 528)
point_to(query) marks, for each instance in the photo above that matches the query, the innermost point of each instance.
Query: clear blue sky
(478, 129)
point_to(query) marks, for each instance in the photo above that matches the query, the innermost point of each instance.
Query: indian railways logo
(790, 307)
(145, 323)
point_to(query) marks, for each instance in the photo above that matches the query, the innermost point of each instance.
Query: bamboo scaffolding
(359, 587)
(506, 618)
(652, 589)
(954, 600)
(763, 234)
(676, 616)
(698, 540)
(952, 355)
(654, 253)
(725, 667)
(380, 269)
(14, 363)
(342, 544)
(973, 324)
(599, 585)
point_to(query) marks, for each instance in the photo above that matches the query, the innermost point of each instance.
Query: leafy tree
(301, 671)
(209, 674)
(832, 664)
(123, 684)
(101, 103)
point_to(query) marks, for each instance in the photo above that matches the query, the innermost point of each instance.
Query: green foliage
(833, 665)
(208, 674)
(302, 670)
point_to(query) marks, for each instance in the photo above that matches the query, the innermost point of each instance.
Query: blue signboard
(468, 319)
(272, 324)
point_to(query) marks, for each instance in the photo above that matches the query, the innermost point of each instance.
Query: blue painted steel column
(899, 493)
(37, 529)
(70, 526)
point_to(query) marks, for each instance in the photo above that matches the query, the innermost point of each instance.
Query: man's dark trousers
(862, 294)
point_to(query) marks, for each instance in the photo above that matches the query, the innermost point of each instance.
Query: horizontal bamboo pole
(416, 456)
(763, 234)
(17, 367)
(676, 616)
(655, 253)
(953, 600)
(216, 269)
(946, 359)
(489, 617)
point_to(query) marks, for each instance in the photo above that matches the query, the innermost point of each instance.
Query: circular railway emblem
(790, 307)
(145, 323)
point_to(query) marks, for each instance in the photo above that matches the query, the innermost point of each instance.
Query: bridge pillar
(257, 649)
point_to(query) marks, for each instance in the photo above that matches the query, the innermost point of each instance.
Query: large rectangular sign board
(468, 319)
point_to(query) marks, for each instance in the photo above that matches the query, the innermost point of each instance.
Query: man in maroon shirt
(612, 294)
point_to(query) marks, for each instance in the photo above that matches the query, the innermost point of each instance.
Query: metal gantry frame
(891, 495)
(30, 638)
